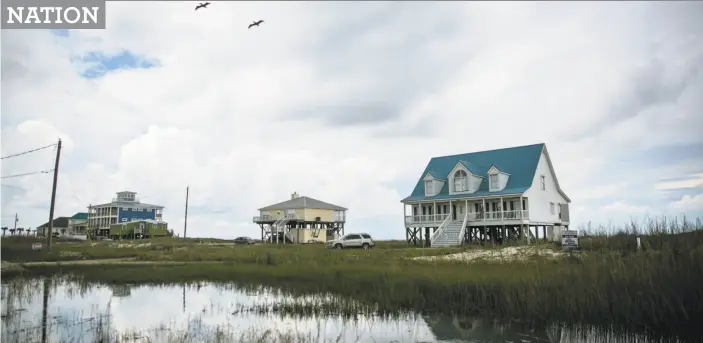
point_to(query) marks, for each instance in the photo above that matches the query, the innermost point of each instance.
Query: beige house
(301, 220)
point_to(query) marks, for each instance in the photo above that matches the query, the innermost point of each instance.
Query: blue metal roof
(520, 162)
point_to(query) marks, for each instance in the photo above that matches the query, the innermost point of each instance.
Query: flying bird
(202, 5)
(256, 23)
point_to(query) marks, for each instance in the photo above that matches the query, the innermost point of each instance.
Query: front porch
(490, 218)
(489, 211)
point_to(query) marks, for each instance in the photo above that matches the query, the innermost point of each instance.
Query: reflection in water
(59, 310)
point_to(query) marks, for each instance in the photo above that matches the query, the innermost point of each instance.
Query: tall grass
(654, 288)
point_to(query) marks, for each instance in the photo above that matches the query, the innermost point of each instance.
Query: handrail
(463, 228)
(441, 227)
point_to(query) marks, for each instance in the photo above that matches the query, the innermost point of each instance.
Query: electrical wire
(27, 174)
(28, 151)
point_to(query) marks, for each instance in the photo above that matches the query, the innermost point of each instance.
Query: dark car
(244, 240)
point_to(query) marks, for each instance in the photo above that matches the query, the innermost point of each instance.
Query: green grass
(656, 288)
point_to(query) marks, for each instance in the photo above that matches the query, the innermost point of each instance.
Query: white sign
(36, 246)
(569, 239)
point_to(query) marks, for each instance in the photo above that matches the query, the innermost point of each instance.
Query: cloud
(600, 192)
(688, 203)
(621, 207)
(327, 100)
(695, 181)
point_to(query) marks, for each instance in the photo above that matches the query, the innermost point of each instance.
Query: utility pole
(15, 230)
(185, 223)
(53, 196)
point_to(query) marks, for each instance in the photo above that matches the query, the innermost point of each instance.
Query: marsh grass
(654, 289)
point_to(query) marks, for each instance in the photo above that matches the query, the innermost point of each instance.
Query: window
(366, 236)
(352, 237)
(429, 187)
(461, 181)
(140, 209)
(125, 209)
(124, 219)
(494, 181)
(551, 208)
(543, 182)
(148, 210)
(134, 208)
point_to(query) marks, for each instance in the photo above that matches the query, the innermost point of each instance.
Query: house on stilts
(487, 196)
(301, 220)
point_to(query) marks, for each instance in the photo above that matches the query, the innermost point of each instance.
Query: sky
(346, 102)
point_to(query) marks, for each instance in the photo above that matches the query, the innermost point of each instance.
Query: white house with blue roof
(510, 193)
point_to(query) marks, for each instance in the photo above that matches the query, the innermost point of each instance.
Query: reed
(654, 288)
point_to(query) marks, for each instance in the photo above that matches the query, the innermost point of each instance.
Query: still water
(60, 310)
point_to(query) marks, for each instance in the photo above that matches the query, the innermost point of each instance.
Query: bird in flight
(256, 23)
(202, 5)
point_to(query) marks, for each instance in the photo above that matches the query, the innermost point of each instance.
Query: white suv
(352, 240)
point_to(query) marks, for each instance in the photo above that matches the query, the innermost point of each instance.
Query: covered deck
(294, 217)
(490, 218)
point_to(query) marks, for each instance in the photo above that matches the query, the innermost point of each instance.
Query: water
(206, 312)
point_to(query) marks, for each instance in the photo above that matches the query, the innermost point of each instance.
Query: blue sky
(349, 110)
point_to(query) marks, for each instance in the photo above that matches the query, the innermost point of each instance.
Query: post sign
(569, 239)
(36, 246)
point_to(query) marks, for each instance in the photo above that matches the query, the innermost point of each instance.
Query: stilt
(544, 231)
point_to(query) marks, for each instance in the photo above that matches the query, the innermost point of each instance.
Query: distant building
(60, 227)
(125, 207)
(139, 229)
(78, 224)
(301, 220)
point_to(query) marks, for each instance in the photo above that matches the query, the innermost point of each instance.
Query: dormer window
(461, 181)
(429, 187)
(493, 178)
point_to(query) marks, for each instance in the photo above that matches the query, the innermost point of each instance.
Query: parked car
(244, 240)
(352, 240)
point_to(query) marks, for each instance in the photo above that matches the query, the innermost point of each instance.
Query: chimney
(294, 195)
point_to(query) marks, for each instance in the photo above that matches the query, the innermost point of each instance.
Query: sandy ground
(498, 255)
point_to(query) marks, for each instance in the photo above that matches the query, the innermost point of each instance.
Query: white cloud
(688, 204)
(600, 192)
(694, 181)
(328, 101)
(621, 207)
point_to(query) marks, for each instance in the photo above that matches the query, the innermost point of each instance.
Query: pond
(64, 310)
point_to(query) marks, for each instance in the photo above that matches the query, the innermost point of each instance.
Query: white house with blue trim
(125, 207)
(510, 193)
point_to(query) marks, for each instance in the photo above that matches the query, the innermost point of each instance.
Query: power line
(28, 151)
(27, 174)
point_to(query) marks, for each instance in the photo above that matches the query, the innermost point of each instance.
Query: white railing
(425, 218)
(463, 227)
(498, 215)
(441, 228)
(266, 218)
